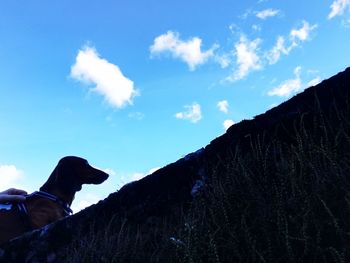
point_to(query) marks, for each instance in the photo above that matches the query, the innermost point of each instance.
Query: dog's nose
(105, 176)
(100, 177)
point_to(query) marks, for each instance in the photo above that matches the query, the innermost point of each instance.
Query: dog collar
(66, 208)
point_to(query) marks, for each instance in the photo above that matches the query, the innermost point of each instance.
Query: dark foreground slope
(272, 189)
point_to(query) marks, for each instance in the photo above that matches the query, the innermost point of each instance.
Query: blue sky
(134, 85)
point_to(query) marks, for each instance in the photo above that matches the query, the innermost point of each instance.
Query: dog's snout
(98, 176)
(105, 176)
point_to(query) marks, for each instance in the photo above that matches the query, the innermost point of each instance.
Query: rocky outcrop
(177, 184)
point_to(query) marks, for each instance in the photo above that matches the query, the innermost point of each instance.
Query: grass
(275, 200)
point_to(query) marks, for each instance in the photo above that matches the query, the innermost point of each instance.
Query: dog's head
(71, 173)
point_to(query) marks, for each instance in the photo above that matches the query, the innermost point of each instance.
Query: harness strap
(23, 213)
(6, 206)
(66, 208)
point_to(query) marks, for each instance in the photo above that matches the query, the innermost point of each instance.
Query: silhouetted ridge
(170, 190)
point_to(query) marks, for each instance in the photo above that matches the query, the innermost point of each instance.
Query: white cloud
(84, 201)
(188, 51)
(110, 82)
(223, 60)
(272, 105)
(256, 28)
(346, 22)
(138, 176)
(246, 14)
(294, 85)
(289, 86)
(338, 7)
(223, 106)
(227, 124)
(275, 53)
(313, 82)
(10, 176)
(234, 28)
(284, 47)
(247, 58)
(151, 171)
(264, 14)
(303, 33)
(193, 113)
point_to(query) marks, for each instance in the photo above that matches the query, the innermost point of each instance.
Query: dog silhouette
(52, 202)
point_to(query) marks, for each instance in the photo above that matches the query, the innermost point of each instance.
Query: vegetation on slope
(279, 199)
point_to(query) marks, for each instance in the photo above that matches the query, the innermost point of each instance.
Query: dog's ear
(51, 182)
(63, 178)
(67, 179)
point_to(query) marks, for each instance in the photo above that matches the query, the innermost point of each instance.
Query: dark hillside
(272, 189)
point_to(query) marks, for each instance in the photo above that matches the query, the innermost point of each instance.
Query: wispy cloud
(338, 7)
(223, 60)
(314, 82)
(280, 48)
(346, 22)
(284, 46)
(227, 124)
(289, 86)
(109, 81)
(188, 51)
(10, 176)
(223, 106)
(256, 28)
(267, 13)
(303, 33)
(248, 12)
(192, 113)
(138, 175)
(293, 85)
(136, 115)
(247, 58)
(85, 201)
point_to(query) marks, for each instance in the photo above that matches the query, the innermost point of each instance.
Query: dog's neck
(68, 198)
(59, 185)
